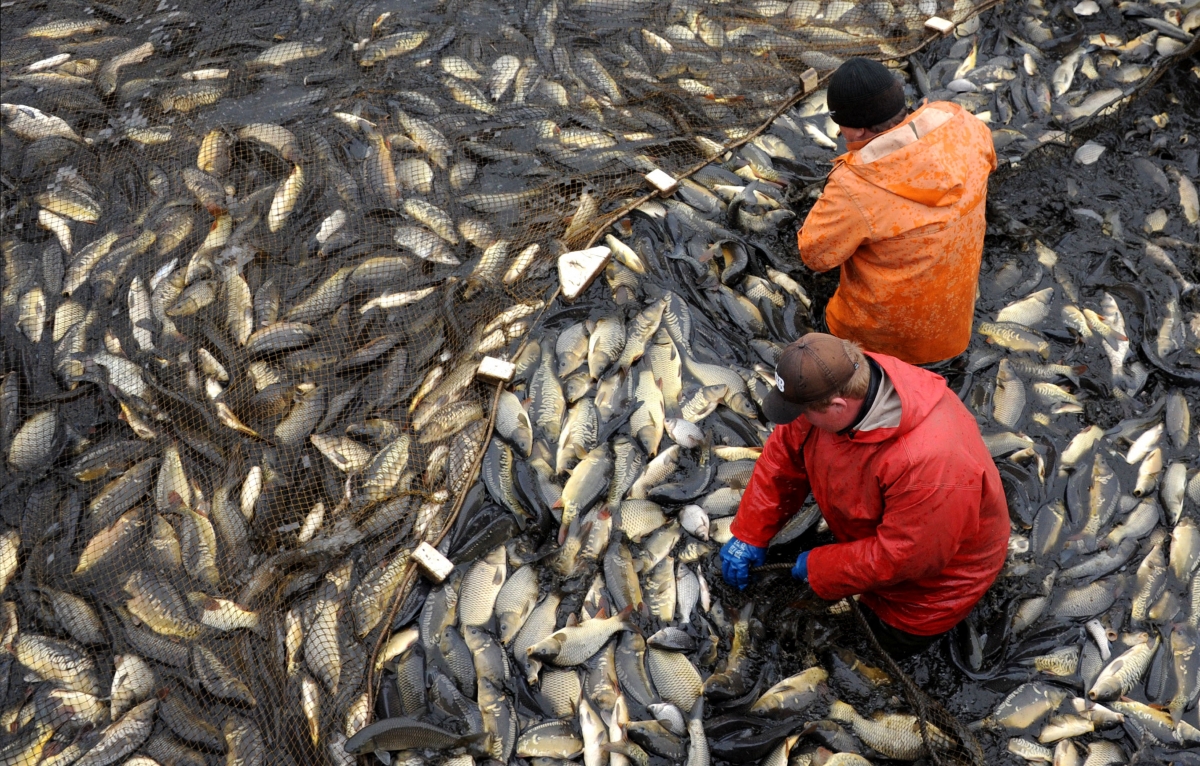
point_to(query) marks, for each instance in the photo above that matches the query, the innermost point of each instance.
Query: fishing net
(253, 255)
(945, 738)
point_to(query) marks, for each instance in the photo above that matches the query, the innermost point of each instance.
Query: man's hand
(800, 570)
(736, 559)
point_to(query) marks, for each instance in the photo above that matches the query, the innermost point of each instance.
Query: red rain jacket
(918, 511)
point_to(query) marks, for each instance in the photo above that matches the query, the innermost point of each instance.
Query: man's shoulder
(961, 119)
(842, 180)
(948, 430)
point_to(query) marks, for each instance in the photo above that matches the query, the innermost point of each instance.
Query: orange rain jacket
(903, 215)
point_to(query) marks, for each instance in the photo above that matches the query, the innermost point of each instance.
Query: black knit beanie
(863, 93)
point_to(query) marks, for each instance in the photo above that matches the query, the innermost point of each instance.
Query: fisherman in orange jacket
(902, 214)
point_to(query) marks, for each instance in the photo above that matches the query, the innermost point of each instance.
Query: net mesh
(253, 255)
(944, 738)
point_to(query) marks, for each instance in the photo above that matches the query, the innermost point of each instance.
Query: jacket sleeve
(777, 487)
(834, 228)
(924, 523)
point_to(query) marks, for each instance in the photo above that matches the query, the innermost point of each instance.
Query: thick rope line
(921, 702)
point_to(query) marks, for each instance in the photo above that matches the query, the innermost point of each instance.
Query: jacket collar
(854, 146)
(919, 391)
(869, 399)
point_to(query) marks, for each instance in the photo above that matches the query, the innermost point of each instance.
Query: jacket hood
(910, 159)
(919, 391)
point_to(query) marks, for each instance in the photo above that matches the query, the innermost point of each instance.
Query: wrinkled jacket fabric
(918, 511)
(903, 215)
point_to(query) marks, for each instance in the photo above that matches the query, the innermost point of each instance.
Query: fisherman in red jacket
(899, 470)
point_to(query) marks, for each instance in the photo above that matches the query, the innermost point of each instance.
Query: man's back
(904, 218)
(920, 506)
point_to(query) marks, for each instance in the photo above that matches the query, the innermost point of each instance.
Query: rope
(772, 567)
(410, 577)
(918, 699)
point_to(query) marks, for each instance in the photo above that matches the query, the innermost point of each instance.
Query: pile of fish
(1080, 392)
(1049, 68)
(244, 302)
(581, 620)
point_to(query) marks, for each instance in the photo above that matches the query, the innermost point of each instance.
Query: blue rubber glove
(736, 559)
(800, 571)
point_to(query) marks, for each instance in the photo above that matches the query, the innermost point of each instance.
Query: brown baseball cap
(809, 370)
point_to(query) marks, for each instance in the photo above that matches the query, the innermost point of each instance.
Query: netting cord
(917, 698)
(737, 143)
(772, 567)
(912, 693)
(410, 576)
(795, 98)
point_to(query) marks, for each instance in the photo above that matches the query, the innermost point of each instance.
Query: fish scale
(621, 577)
(1120, 675)
(498, 476)
(563, 690)
(667, 368)
(674, 676)
(480, 588)
(638, 333)
(605, 345)
(549, 405)
(578, 435)
(648, 420)
(574, 645)
(896, 736)
(157, 603)
(515, 601)
(322, 652)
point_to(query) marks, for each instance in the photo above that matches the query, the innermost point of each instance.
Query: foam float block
(578, 268)
(662, 180)
(496, 369)
(809, 79)
(435, 566)
(939, 25)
